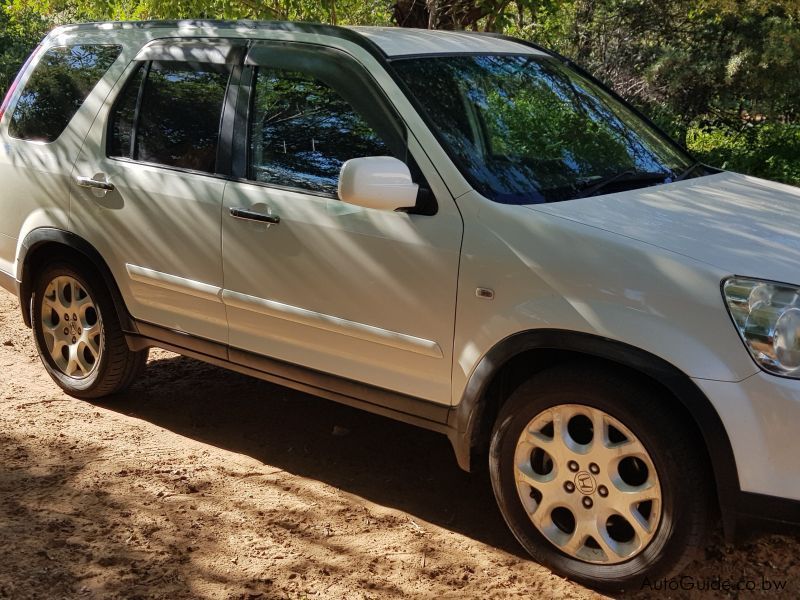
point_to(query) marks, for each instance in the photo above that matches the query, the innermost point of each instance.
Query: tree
(486, 15)
(722, 58)
(18, 35)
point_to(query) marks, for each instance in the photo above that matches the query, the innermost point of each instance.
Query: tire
(78, 334)
(530, 468)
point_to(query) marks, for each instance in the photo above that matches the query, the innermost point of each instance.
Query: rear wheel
(78, 334)
(598, 479)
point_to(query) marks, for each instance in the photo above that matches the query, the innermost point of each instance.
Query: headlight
(767, 316)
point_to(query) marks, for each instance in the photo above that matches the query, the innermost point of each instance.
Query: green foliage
(340, 12)
(768, 150)
(19, 34)
(730, 58)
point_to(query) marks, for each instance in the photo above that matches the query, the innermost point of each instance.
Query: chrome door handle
(251, 215)
(89, 182)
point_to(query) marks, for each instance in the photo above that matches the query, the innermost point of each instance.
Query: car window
(302, 131)
(121, 138)
(180, 107)
(528, 129)
(57, 88)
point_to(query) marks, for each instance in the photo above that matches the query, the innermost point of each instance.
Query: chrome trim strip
(174, 283)
(369, 333)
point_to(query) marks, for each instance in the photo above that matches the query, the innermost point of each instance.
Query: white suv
(460, 231)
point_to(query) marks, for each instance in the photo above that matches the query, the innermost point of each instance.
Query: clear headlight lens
(767, 316)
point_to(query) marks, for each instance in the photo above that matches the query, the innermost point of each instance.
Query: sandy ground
(200, 483)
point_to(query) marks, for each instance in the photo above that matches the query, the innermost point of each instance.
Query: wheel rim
(588, 484)
(72, 327)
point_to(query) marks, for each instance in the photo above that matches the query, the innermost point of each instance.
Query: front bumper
(761, 415)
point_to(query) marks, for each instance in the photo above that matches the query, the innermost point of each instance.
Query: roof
(400, 41)
(390, 41)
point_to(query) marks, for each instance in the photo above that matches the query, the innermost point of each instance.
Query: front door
(363, 294)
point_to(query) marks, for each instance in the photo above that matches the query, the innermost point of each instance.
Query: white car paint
(408, 41)
(740, 224)
(760, 415)
(381, 182)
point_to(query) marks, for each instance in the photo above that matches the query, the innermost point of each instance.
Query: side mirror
(380, 182)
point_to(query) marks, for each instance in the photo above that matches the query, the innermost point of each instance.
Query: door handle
(251, 215)
(90, 182)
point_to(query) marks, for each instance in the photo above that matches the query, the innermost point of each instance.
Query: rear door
(363, 294)
(147, 188)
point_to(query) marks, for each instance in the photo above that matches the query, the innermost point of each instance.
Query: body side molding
(174, 283)
(338, 325)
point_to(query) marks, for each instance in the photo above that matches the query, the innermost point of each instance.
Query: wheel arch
(519, 356)
(45, 243)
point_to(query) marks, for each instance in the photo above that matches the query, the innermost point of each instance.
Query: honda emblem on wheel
(585, 483)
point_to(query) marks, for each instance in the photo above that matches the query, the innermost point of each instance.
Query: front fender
(467, 418)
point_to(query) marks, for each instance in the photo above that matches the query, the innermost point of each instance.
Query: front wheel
(598, 479)
(78, 334)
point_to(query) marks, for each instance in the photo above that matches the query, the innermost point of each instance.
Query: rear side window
(57, 88)
(179, 107)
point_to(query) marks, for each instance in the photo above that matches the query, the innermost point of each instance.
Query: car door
(147, 188)
(359, 293)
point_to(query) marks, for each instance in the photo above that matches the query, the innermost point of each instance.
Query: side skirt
(408, 409)
(9, 282)
(759, 513)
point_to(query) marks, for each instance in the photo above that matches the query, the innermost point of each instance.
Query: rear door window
(179, 107)
(57, 88)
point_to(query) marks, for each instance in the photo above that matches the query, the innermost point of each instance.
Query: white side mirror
(380, 182)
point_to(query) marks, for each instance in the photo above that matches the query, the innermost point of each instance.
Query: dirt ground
(201, 483)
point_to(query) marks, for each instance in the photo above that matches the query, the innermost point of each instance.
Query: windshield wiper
(688, 171)
(629, 175)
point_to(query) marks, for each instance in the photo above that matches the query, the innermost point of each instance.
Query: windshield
(527, 129)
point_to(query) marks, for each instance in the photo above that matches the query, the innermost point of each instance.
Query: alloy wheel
(587, 484)
(72, 327)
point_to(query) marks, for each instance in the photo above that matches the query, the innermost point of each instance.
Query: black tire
(678, 460)
(117, 367)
